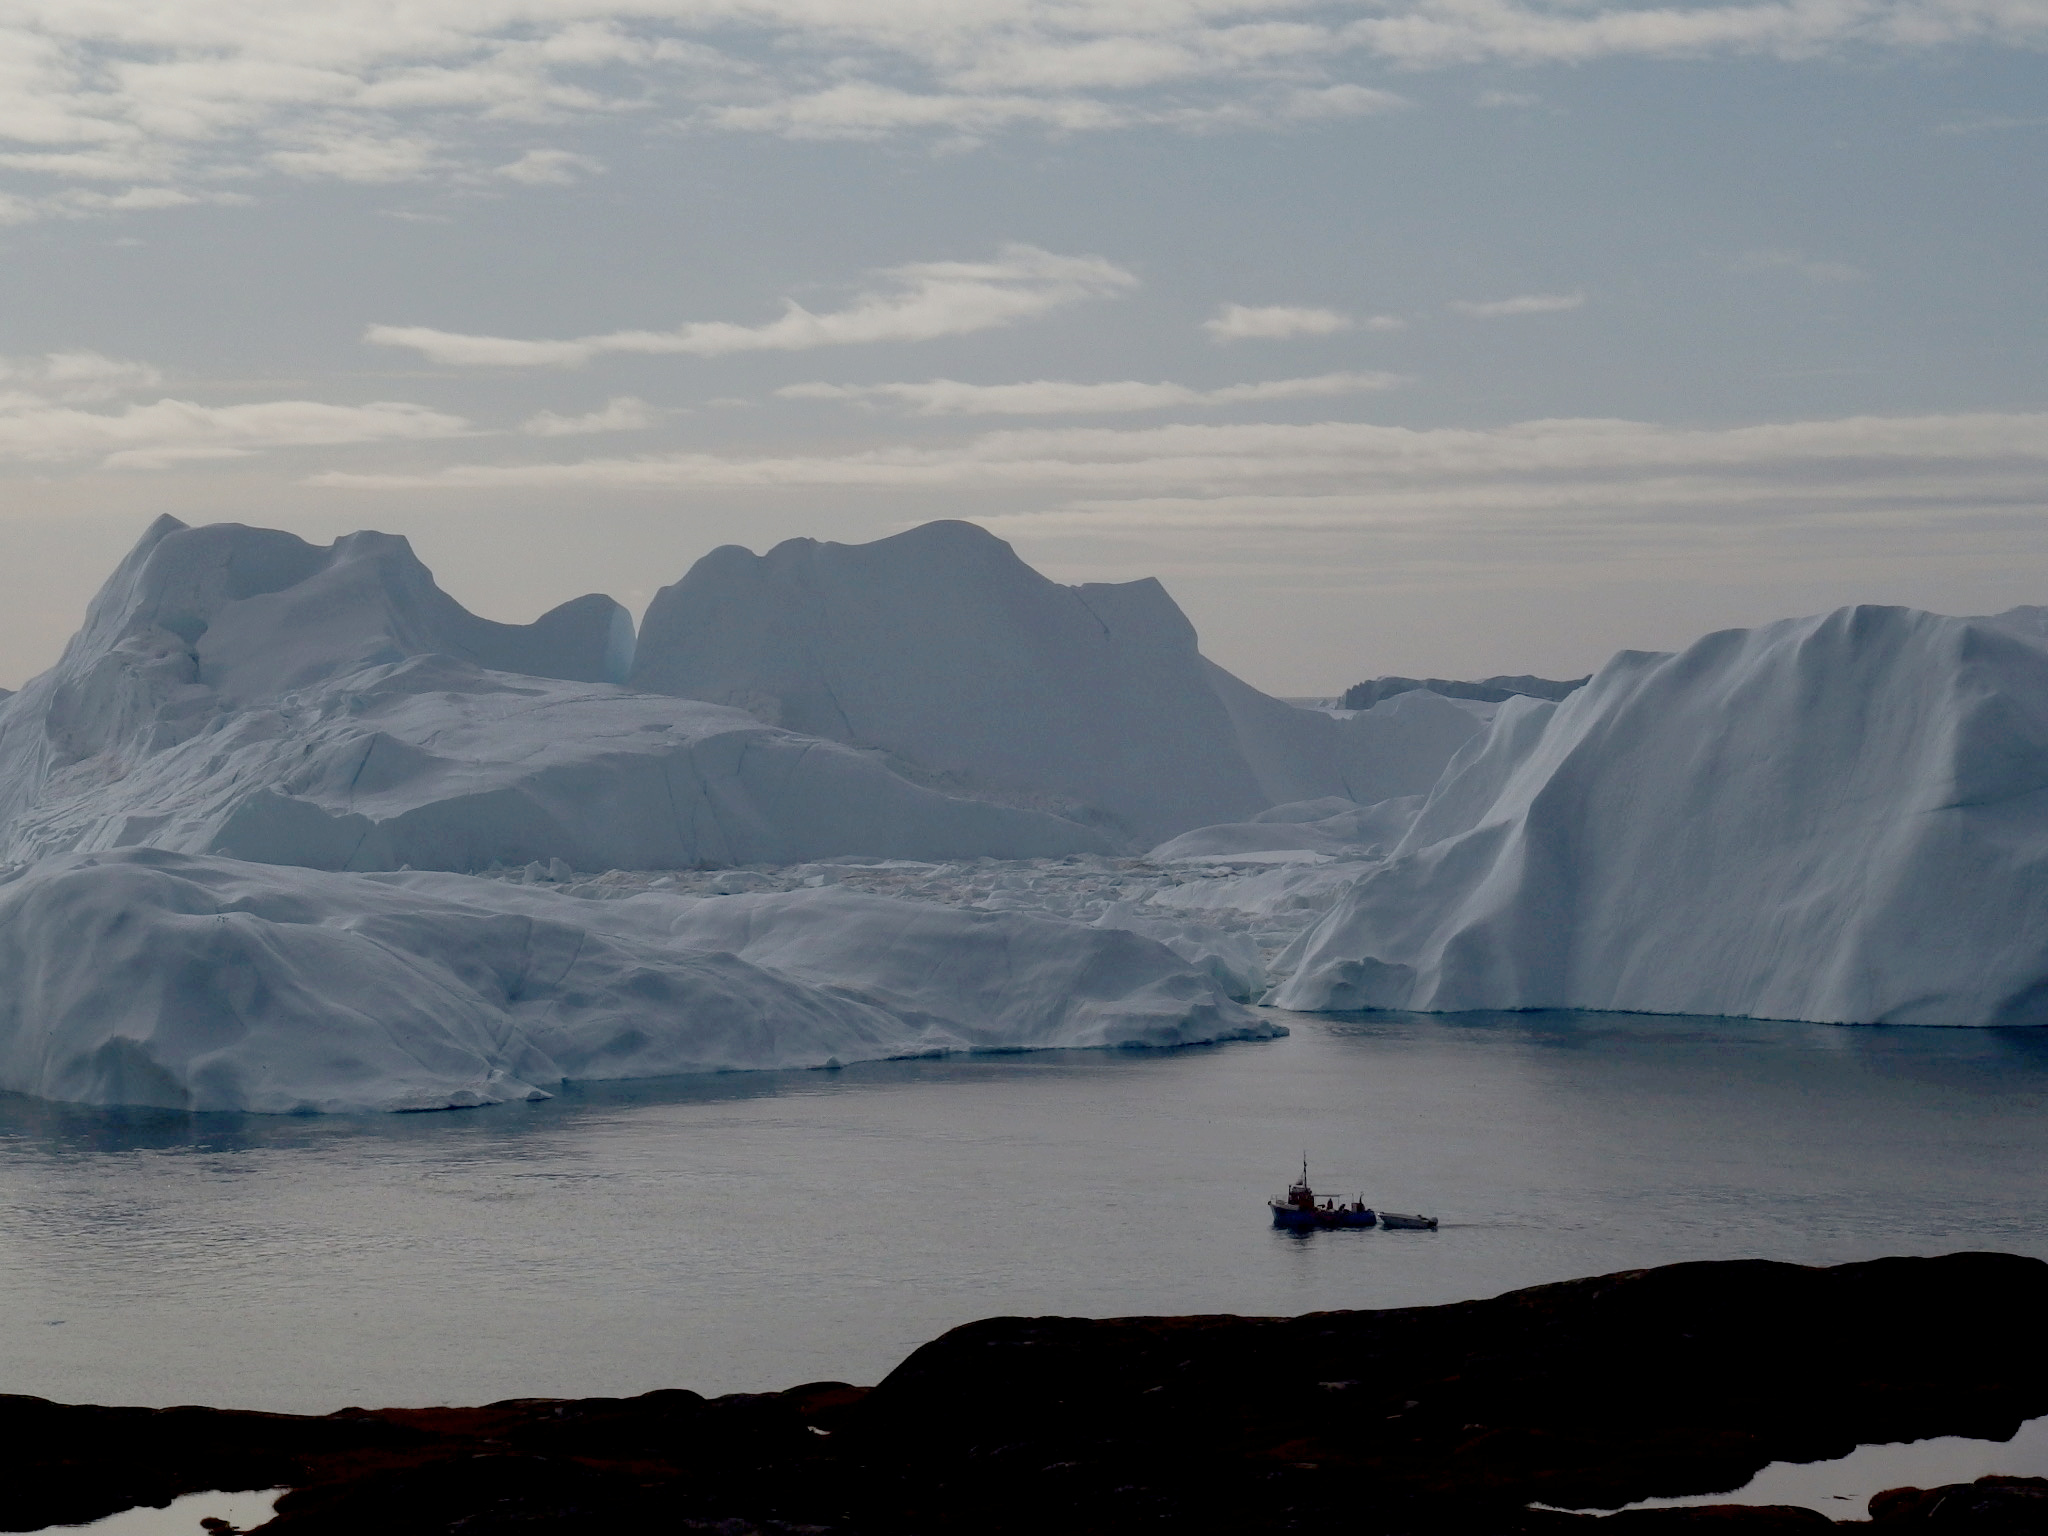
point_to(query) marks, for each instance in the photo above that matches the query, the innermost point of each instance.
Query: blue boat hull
(1296, 1219)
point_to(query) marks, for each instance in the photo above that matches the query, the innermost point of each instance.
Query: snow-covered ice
(152, 978)
(1838, 819)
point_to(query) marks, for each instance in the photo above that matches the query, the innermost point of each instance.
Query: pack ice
(186, 981)
(1838, 819)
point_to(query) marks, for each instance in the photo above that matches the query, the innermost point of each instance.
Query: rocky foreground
(1596, 1392)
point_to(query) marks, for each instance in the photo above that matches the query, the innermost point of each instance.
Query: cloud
(1979, 456)
(1808, 267)
(623, 413)
(1334, 101)
(359, 157)
(42, 419)
(869, 110)
(71, 378)
(169, 431)
(1522, 304)
(1990, 124)
(1049, 397)
(181, 94)
(550, 168)
(1497, 99)
(1276, 322)
(920, 301)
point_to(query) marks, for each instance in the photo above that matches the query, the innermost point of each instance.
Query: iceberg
(237, 690)
(146, 977)
(977, 674)
(1840, 819)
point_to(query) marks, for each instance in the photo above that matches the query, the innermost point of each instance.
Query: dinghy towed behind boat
(1397, 1223)
(1300, 1212)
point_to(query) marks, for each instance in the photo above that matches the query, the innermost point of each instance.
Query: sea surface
(754, 1231)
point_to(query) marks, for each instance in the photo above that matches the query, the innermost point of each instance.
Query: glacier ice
(941, 648)
(878, 800)
(1839, 819)
(237, 690)
(145, 977)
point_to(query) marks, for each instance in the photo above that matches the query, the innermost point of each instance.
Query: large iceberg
(238, 690)
(189, 982)
(944, 650)
(1838, 819)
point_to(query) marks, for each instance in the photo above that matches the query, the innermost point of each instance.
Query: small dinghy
(1300, 1212)
(1397, 1223)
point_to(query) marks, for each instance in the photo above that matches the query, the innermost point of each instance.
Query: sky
(1438, 337)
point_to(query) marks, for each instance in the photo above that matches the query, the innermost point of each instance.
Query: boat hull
(1296, 1218)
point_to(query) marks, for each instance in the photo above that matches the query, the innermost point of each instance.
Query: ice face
(943, 648)
(1838, 819)
(188, 982)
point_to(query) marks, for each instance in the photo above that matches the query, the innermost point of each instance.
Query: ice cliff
(238, 690)
(1839, 819)
(189, 982)
(943, 649)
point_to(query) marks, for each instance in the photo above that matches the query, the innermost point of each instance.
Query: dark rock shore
(1587, 1394)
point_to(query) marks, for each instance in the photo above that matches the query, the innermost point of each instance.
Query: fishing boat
(1299, 1211)
(1395, 1222)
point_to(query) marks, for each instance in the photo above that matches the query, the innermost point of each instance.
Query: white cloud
(1498, 99)
(868, 110)
(1334, 101)
(167, 431)
(1275, 322)
(623, 413)
(550, 168)
(72, 378)
(1813, 269)
(918, 302)
(359, 157)
(1051, 397)
(1522, 304)
(181, 93)
(42, 420)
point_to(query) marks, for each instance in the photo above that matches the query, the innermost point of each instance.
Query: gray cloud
(186, 92)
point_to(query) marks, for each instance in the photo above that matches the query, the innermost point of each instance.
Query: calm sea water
(754, 1231)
